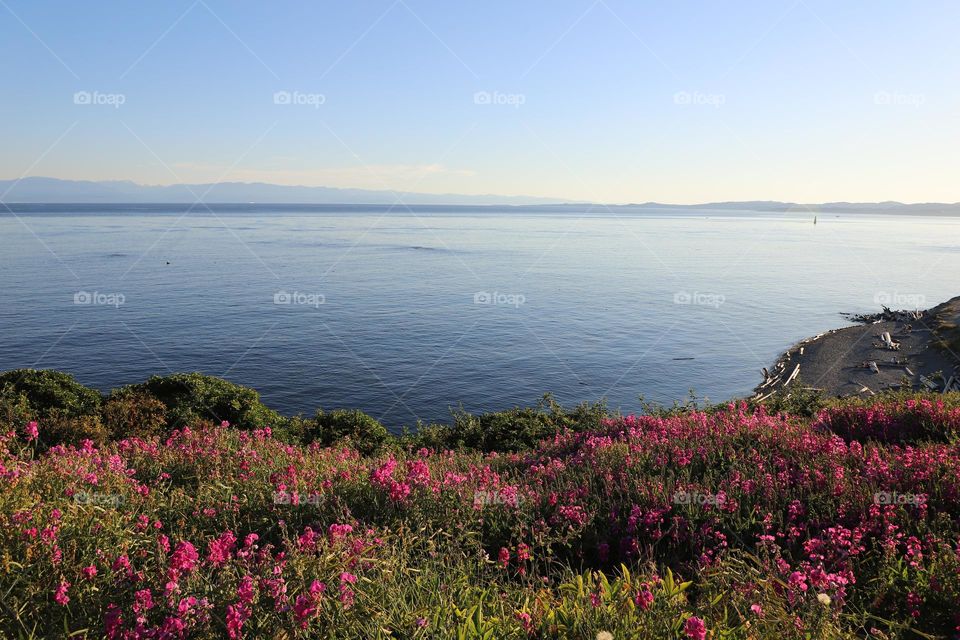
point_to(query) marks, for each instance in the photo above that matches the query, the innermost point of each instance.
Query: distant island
(42, 190)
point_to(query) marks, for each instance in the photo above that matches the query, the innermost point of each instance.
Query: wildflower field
(731, 522)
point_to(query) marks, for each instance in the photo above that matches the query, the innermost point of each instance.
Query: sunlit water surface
(405, 315)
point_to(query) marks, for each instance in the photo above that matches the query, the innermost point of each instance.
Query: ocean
(407, 314)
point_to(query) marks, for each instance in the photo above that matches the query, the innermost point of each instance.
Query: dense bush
(191, 397)
(47, 391)
(63, 429)
(511, 430)
(69, 410)
(134, 413)
(346, 427)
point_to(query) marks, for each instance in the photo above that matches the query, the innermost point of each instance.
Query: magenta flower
(186, 605)
(122, 563)
(143, 601)
(184, 557)
(339, 531)
(644, 599)
(245, 590)
(695, 628)
(60, 596)
(303, 609)
(113, 622)
(237, 615)
(32, 431)
(220, 550)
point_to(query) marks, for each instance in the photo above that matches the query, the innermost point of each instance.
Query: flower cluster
(855, 510)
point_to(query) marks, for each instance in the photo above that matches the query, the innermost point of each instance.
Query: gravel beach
(924, 353)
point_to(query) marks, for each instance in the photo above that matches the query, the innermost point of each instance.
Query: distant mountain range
(54, 190)
(57, 191)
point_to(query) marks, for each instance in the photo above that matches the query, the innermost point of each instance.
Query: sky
(601, 100)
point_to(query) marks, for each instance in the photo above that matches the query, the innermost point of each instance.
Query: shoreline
(886, 351)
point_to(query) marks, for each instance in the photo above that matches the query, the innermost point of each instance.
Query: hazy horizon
(603, 101)
(38, 190)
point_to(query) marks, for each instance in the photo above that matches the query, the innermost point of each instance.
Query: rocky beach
(890, 350)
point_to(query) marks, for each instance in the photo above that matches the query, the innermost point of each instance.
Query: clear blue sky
(607, 100)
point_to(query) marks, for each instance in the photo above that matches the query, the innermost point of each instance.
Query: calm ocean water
(405, 315)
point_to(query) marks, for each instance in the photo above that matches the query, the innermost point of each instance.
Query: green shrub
(511, 430)
(797, 399)
(192, 397)
(15, 411)
(47, 392)
(134, 413)
(343, 426)
(58, 428)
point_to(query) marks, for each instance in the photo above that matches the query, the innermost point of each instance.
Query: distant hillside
(54, 190)
(57, 191)
(928, 208)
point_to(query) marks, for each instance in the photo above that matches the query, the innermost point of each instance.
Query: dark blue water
(405, 314)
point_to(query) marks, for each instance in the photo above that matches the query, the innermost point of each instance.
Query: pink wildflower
(143, 601)
(184, 557)
(245, 590)
(237, 614)
(60, 596)
(695, 628)
(303, 609)
(220, 550)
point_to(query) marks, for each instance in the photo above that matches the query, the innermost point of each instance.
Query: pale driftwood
(873, 366)
(792, 375)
